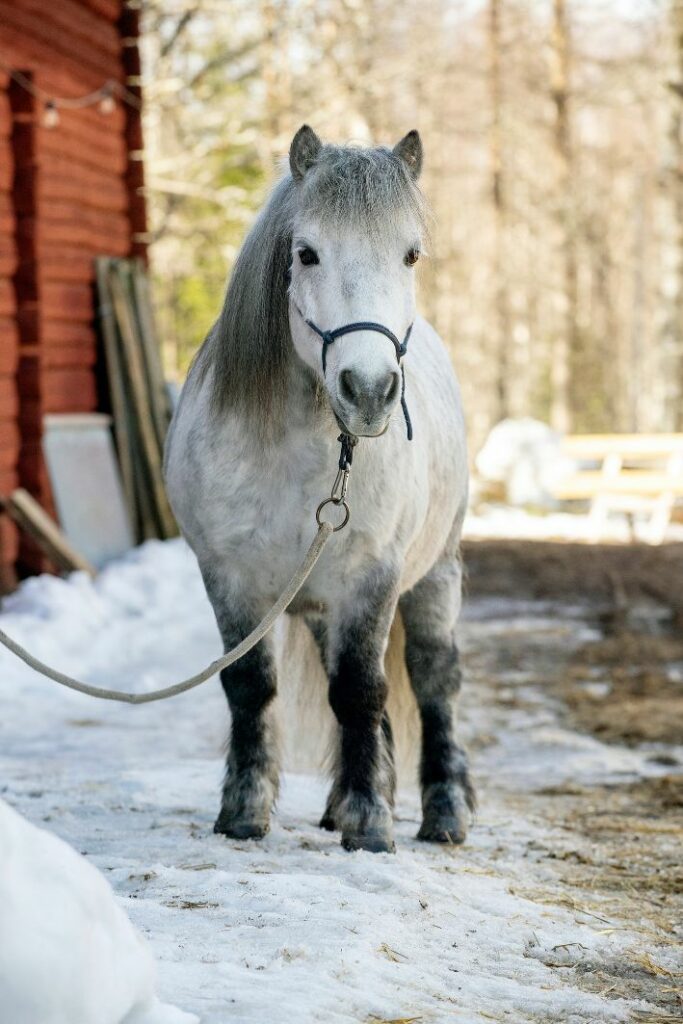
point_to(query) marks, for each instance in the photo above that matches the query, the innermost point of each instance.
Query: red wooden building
(69, 191)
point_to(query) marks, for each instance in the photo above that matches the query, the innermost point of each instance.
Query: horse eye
(411, 257)
(308, 256)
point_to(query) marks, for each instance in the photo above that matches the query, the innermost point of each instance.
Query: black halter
(328, 337)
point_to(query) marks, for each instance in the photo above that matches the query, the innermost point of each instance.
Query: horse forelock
(371, 188)
(248, 352)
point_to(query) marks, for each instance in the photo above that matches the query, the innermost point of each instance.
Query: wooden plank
(56, 233)
(158, 394)
(598, 446)
(60, 390)
(110, 9)
(148, 518)
(9, 348)
(69, 390)
(71, 356)
(32, 42)
(91, 149)
(56, 333)
(9, 457)
(136, 381)
(638, 482)
(9, 402)
(50, 255)
(60, 297)
(8, 224)
(9, 549)
(9, 433)
(33, 520)
(6, 168)
(8, 263)
(115, 376)
(7, 298)
(31, 467)
(78, 271)
(57, 188)
(8, 247)
(8, 480)
(76, 19)
(5, 113)
(6, 203)
(80, 148)
(92, 217)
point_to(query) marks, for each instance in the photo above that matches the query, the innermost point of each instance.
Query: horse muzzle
(365, 404)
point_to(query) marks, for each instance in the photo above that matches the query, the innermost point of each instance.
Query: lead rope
(325, 531)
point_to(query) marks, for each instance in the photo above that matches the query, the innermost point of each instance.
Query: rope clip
(341, 482)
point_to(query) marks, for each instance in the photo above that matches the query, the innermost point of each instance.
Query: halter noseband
(328, 337)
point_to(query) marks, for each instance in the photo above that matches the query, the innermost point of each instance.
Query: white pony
(68, 953)
(319, 333)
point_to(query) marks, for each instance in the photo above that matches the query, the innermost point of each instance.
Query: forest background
(553, 134)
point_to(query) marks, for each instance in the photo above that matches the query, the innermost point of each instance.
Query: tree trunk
(566, 341)
(499, 197)
(672, 339)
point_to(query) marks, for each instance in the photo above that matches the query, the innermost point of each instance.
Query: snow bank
(526, 456)
(68, 953)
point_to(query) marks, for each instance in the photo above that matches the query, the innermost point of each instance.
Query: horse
(249, 454)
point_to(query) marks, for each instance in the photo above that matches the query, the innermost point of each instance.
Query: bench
(627, 473)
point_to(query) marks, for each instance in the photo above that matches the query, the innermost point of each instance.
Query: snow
(504, 522)
(68, 952)
(294, 928)
(526, 456)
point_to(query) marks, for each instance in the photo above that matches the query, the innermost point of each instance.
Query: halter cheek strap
(329, 337)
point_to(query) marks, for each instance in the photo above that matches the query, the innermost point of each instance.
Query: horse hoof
(240, 829)
(328, 823)
(373, 842)
(449, 831)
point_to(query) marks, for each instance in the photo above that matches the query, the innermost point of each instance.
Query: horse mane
(250, 347)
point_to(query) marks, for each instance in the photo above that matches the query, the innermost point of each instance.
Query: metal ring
(337, 502)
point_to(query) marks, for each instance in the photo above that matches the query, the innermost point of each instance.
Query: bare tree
(554, 144)
(499, 200)
(673, 255)
(566, 340)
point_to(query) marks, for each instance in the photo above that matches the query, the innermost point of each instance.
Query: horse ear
(409, 150)
(303, 152)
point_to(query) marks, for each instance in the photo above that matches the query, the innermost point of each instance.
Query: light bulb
(51, 114)
(106, 104)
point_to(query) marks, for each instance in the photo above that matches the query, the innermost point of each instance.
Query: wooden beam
(117, 388)
(34, 520)
(137, 385)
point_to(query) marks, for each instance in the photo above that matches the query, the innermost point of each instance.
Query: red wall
(9, 340)
(67, 194)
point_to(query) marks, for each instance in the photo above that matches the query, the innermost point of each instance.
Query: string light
(104, 97)
(50, 114)
(106, 104)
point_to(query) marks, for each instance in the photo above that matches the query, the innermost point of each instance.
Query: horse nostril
(391, 389)
(348, 386)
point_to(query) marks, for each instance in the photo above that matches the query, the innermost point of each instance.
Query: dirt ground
(620, 855)
(626, 684)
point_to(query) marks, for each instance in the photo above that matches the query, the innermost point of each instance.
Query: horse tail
(402, 707)
(307, 724)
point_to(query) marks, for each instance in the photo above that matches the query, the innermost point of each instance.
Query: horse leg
(251, 777)
(361, 800)
(430, 611)
(318, 628)
(386, 779)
